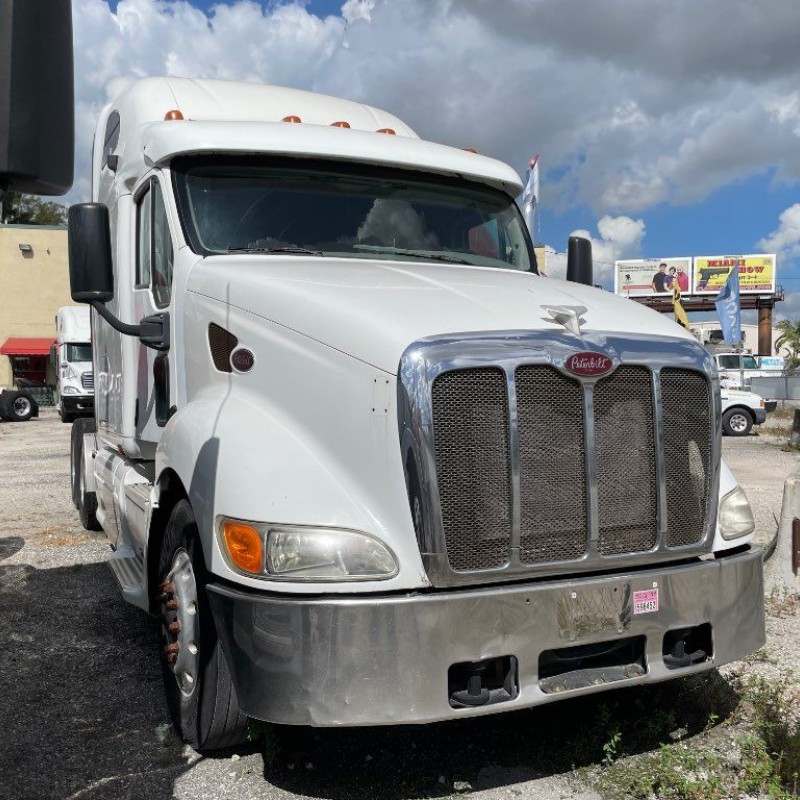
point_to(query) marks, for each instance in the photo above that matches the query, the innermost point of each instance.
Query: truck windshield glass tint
(79, 352)
(347, 211)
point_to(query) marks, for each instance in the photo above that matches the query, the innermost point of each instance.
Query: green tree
(26, 209)
(789, 339)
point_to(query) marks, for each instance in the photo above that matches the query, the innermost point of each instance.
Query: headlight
(304, 554)
(735, 515)
(69, 390)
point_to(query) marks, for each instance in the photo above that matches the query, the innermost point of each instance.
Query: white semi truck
(72, 358)
(367, 465)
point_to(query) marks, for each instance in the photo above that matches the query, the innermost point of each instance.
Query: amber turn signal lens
(244, 546)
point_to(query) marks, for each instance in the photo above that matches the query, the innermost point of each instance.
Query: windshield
(79, 352)
(749, 362)
(345, 210)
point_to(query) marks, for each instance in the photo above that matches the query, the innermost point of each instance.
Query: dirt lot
(82, 713)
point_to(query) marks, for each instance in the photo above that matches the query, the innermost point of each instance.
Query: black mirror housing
(37, 118)
(91, 272)
(579, 261)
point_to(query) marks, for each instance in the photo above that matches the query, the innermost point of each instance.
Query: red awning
(26, 347)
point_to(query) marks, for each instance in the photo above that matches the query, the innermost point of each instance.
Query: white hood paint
(373, 310)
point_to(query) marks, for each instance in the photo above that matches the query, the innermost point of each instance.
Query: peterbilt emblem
(588, 364)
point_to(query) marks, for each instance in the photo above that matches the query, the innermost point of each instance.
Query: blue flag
(728, 308)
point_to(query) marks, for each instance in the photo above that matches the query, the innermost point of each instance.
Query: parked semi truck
(366, 464)
(72, 359)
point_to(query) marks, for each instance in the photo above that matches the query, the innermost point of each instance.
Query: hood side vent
(222, 344)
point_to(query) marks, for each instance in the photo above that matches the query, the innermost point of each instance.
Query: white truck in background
(72, 360)
(741, 410)
(363, 461)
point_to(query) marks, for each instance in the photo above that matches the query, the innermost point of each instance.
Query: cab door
(155, 255)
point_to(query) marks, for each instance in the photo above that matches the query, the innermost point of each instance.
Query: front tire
(200, 693)
(737, 422)
(85, 502)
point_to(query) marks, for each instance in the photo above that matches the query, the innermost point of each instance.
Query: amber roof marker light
(340, 124)
(291, 118)
(174, 114)
(390, 131)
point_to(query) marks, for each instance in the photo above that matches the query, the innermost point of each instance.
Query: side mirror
(579, 260)
(91, 274)
(37, 128)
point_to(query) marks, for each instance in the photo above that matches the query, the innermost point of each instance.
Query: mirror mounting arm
(152, 331)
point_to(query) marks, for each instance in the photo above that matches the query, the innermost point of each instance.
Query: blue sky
(652, 137)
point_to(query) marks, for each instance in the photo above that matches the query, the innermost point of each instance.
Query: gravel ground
(82, 713)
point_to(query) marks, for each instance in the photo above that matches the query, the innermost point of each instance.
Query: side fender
(237, 457)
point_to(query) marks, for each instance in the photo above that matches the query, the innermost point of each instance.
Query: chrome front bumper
(372, 660)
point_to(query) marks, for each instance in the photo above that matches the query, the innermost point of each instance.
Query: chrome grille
(87, 380)
(687, 453)
(627, 504)
(517, 479)
(470, 407)
(553, 522)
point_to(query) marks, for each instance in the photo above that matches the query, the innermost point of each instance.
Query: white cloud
(785, 239)
(660, 109)
(620, 237)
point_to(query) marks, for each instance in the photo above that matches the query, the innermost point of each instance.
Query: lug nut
(174, 627)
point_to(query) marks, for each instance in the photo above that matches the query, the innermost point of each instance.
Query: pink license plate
(645, 602)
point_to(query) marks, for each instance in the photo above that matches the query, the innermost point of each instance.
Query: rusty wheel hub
(180, 631)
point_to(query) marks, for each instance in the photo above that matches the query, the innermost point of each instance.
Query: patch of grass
(756, 752)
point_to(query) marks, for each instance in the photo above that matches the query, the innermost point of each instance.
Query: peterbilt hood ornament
(568, 316)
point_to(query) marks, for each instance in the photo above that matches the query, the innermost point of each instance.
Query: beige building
(34, 284)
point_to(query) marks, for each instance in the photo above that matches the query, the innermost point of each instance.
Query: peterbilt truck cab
(363, 460)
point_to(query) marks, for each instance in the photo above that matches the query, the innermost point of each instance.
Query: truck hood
(373, 310)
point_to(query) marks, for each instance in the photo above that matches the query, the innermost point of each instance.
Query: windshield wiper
(303, 251)
(430, 255)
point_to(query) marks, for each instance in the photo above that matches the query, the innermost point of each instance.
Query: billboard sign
(648, 277)
(756, 273)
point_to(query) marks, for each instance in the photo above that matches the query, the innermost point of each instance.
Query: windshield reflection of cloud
(395, 223)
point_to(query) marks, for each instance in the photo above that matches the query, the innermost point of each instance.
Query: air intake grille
(552, 466)
(627, 506)
(560, 451)
(222, 344)
(687, 453)
(87, 380)
(472, 465)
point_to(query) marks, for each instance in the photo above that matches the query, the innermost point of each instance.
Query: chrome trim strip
(592, 498)
(661, 463)
(516, 469)
(427, 358)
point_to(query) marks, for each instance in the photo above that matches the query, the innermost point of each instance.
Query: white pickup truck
(741, 410)
(365, 463)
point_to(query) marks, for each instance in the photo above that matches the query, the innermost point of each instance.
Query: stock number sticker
(645, 602)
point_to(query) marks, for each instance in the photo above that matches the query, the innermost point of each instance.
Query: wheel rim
(738, 423)
(22, 405)
(180, 627)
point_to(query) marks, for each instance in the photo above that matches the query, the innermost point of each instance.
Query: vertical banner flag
(530, 197)
(677, 307)
(729, 309)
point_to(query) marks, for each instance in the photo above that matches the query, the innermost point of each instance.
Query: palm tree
(789, 339)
